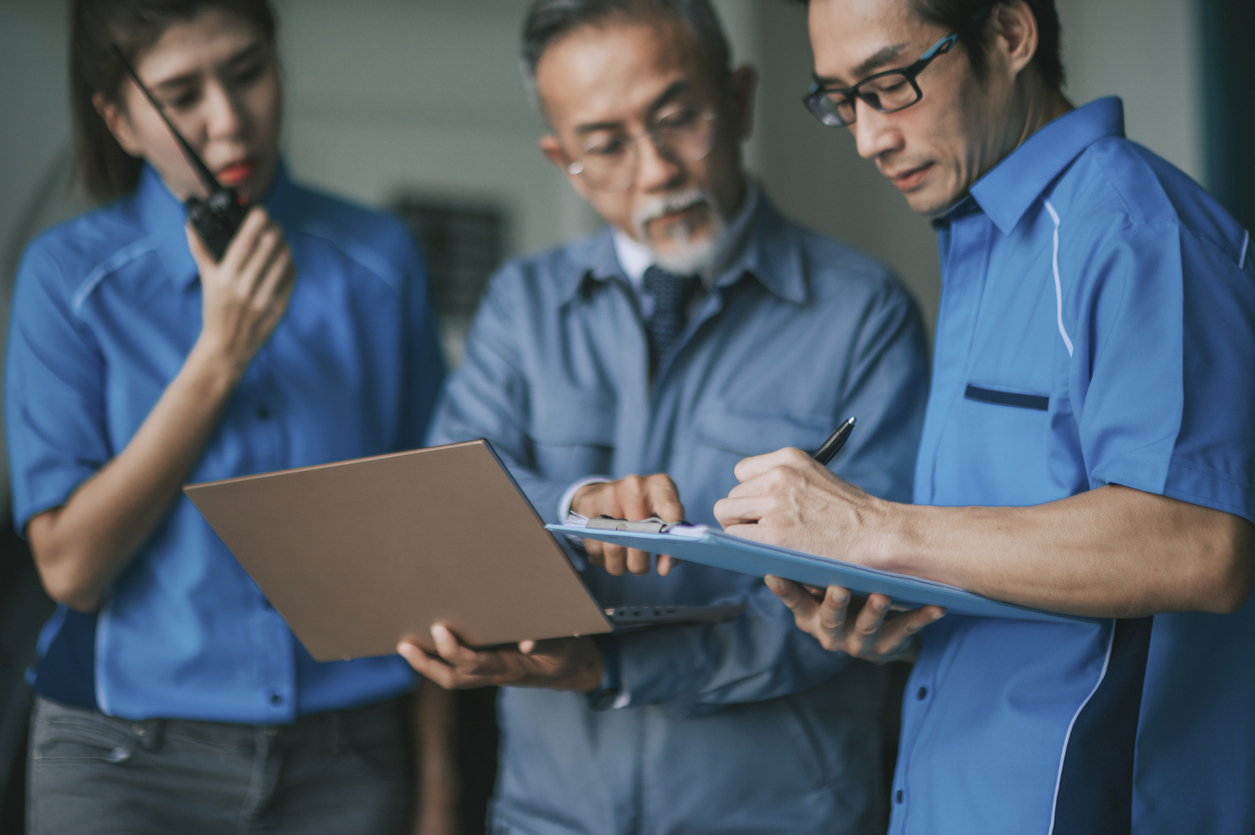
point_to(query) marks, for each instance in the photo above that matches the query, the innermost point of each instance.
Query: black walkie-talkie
(217, 217)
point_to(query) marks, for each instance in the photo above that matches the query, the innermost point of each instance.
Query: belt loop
(149, 733)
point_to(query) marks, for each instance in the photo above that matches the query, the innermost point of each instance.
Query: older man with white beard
(699, 328)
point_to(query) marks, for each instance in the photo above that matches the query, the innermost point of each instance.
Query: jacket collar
(768, 256)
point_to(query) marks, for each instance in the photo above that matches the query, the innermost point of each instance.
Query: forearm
(1110, 552)
(82, 545)
(438, 787)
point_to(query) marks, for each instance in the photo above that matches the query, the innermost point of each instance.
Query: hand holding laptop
(556, 664)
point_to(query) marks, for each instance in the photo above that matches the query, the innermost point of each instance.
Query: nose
(225, 116)
(874, 132)
(656, 170)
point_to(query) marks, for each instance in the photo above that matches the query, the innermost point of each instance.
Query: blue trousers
(345, 772)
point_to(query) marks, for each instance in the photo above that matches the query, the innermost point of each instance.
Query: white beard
(687, 255)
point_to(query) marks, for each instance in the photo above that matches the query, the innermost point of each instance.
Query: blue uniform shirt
(745, 726)
(1097, 326)
(106, 308)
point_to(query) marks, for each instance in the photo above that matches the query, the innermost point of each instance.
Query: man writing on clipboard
(700, 327)
(1087, 447)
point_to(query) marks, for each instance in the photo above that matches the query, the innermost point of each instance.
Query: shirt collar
(1007, 191)
(758, 245)
(164, 217)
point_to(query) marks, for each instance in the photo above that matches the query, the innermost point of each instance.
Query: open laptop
(358, 554)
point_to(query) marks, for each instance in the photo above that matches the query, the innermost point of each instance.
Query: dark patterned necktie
(672, 295)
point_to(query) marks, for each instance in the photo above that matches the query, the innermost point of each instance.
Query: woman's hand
(246, 294)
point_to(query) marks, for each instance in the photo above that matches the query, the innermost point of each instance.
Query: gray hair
(549, 20)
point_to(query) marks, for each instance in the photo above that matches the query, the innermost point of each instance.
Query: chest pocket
(573, 434)
(745, 433)
(1006, 397)
(1012, 426)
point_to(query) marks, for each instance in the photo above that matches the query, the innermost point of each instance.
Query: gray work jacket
(746, 726)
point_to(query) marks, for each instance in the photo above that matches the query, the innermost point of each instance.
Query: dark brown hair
(134, 25)
(970, 18)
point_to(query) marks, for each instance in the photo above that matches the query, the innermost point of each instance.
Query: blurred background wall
(418, 105)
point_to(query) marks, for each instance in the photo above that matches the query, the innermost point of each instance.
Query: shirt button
(898, 796)
(275, 698)
(263, 413)
(922, 694)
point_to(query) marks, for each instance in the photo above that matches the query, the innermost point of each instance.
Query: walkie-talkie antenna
(206, 176)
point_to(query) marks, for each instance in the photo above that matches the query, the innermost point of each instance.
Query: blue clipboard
(703, 545)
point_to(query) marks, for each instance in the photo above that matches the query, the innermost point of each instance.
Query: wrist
(213, 366)
(608, 684)
(897, 540)
(579, 493)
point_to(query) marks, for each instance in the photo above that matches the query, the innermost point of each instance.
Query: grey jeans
(346, 772)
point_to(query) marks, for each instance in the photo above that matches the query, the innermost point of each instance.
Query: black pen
(834, 443)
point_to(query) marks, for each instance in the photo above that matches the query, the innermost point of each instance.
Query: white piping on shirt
(1246, 243)
(1111, 642)
(111, 265)
(1058, 289)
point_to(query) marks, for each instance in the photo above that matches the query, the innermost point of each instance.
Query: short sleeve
(1163, 370)
(54, 398)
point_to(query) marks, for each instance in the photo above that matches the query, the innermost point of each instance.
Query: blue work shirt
(746, 726)
(106, 308)
(1097, 326)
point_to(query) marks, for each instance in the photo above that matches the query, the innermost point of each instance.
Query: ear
(118, 121)
(1015, 34)
(742, 84)
(552, 150)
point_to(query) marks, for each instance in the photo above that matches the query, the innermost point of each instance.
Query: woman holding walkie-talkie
(280, 328)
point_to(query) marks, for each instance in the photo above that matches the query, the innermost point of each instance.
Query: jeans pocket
(66, 734)
(379, 737)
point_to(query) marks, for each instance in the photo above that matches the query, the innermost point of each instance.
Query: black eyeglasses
(888, 91)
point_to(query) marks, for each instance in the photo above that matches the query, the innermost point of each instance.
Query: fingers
(895, 637)
(664, 564)
(455, 666)
(632, 497)
(733, 511)
(618, 560)
(428, 667)
(242, 245)
(867, 625)
(759, 465)
(823, 620)
(872, 635)
(833, 610)
(276, 285)
(664, 498)
(793, 595)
